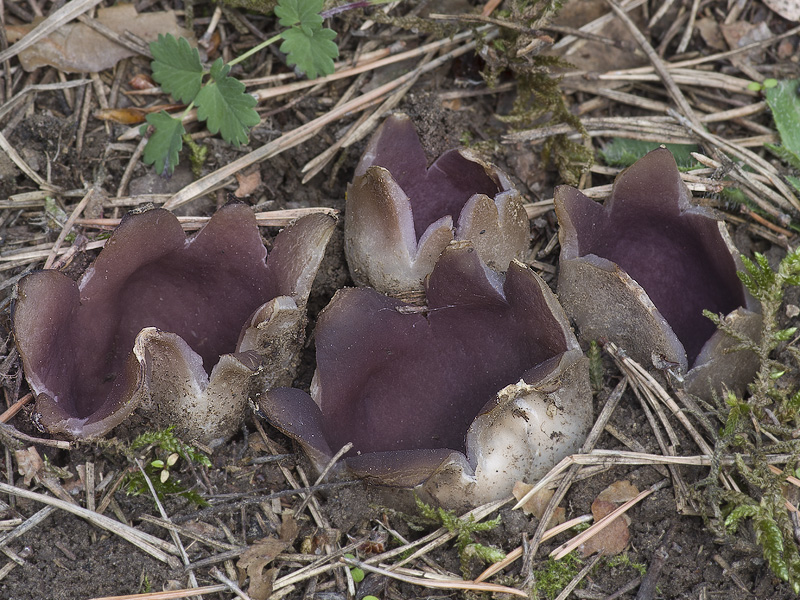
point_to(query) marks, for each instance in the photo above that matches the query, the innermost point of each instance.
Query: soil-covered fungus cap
(486, 387)
(641, 268)
(177, 325)
(401, 214)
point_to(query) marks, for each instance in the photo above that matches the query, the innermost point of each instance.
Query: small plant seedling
(755, 86)
(168, 449)
(165, 465)
(356, 573)
(220, 99)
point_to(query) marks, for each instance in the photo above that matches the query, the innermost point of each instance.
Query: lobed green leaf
(312, 51)
(302, 13)
(225, 106)
(165, 143)
(177, 67)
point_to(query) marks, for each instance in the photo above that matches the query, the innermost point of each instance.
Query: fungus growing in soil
(400, 214)
(641, 268)
(177, 325)
(487, 386)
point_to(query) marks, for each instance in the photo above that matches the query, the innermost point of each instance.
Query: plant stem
(255, 49)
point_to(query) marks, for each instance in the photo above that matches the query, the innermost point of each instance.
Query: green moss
(551, 579)
(758, 425)
(464, 530)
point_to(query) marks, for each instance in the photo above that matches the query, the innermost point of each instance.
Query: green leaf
(176, 67)
(299, 12)
(225, 106)
(786, 155)
(784, 103)
(164, 145)
(312, 51)
(795, 181)
(623, 152)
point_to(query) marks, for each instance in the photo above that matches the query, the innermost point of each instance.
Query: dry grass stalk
(440, 584)
(12, 410)
(173, 533)
(169, 595)
(155, 547)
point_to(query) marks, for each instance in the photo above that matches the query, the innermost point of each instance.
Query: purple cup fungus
(486, 387)
(400, 214)
(176, 325)
(640, 269)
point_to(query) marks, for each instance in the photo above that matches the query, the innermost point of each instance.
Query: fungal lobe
(401, 214)
(641, 268)
(425, 392)
(155, 315)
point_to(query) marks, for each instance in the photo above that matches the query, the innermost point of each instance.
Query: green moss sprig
(464, 529)
(760, 425)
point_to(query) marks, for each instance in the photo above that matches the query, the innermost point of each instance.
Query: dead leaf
(615, 537)
(77, 48)
(248, 183)
(788, 9)
(205, 529)
(142, 81)
(132, 115)
(740, 34)
(254, 562)
(29, 463)
(538, 503)
(289, 529)
(619, 492)
(709, 31)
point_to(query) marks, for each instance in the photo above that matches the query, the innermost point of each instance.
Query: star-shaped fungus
(486, 387)
(641, 268)
(177, 325)
(401, 214)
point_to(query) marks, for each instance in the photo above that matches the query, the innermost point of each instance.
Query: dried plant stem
(76, 212)
(15, 408)
(170, 595)
(173, 534)
(60, 17)
(587, 568)
(275, 218)
(9, 432)
(229, 584)
(342, 451)
(440, 584)
(658, 64)
(518, 552)
(155, 547)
